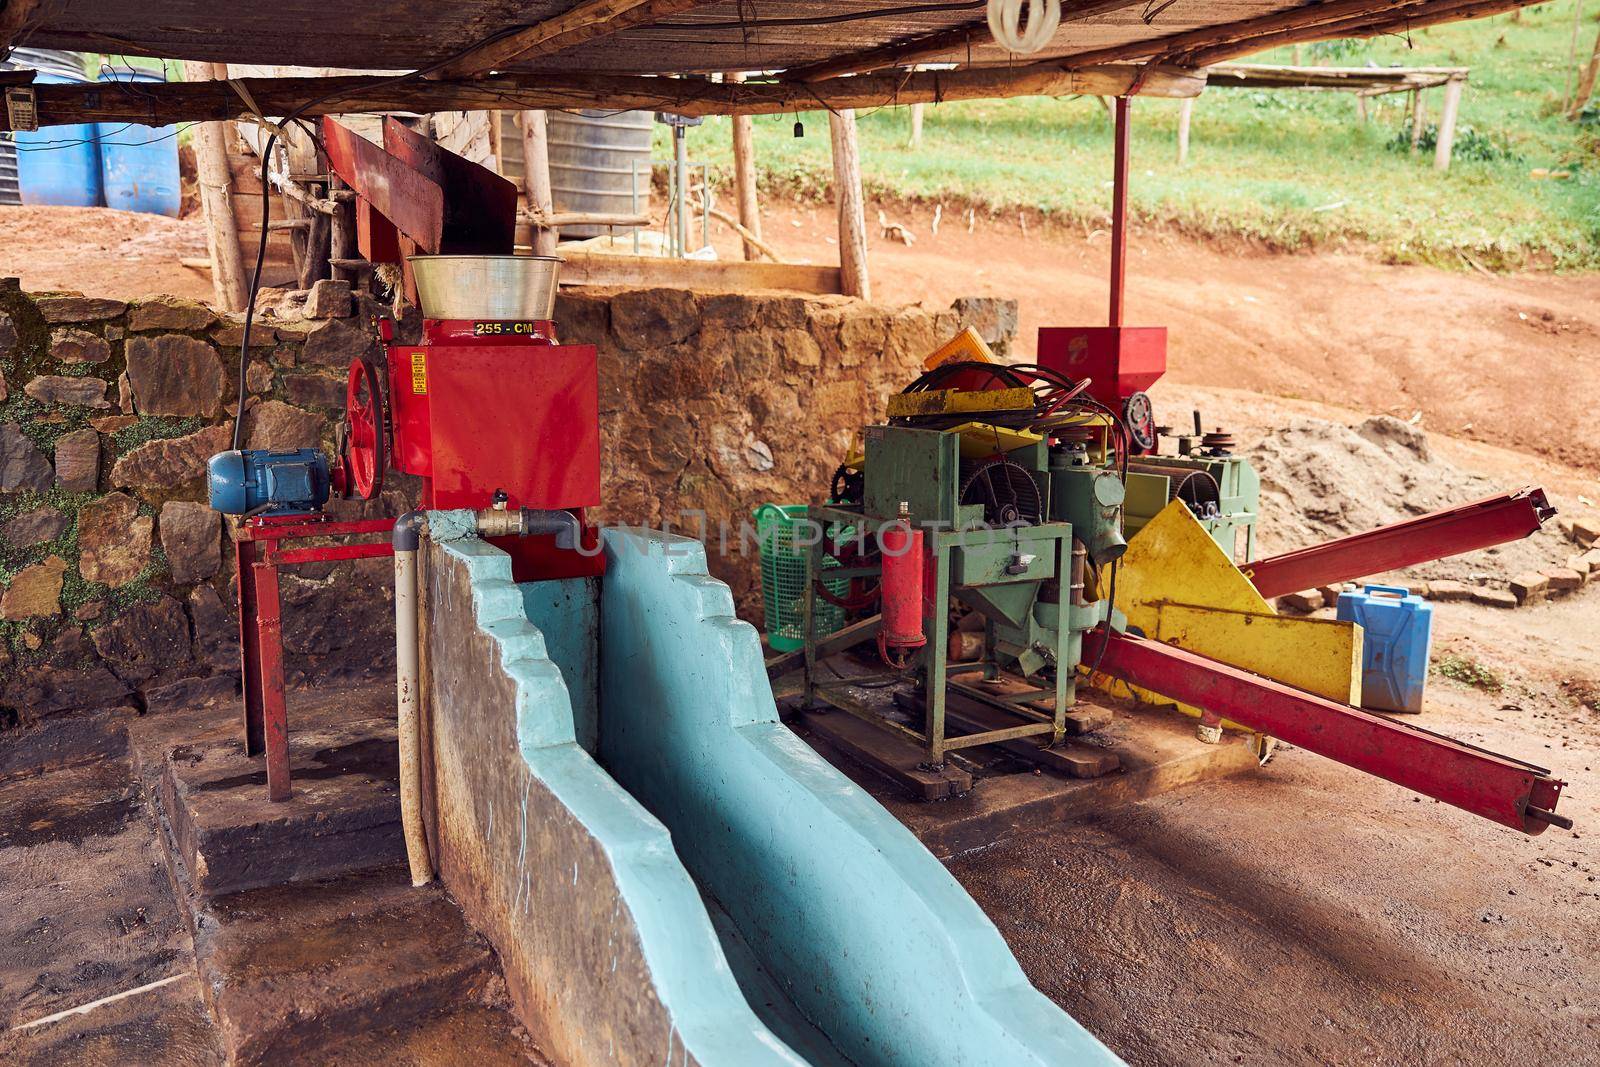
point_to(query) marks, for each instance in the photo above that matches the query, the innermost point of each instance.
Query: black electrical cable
(266, 201)
(825, 20)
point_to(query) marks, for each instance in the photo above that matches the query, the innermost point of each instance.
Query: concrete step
(96, 966)
(343, 816)
(293, 969)
(440, 1040)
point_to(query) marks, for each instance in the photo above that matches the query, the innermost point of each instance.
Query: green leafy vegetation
(1469, 672)
(1286, 168)
(153, 428)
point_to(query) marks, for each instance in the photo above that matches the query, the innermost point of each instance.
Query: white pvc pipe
(407, 685)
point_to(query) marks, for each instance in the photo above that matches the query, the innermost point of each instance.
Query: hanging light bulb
(1005, 22)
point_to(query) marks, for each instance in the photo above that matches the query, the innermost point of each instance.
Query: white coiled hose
(1005, 18)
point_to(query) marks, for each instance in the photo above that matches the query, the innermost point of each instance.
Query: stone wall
(118, 580)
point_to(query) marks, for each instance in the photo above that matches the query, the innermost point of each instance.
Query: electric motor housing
(262, 481)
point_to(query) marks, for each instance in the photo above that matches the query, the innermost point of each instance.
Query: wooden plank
(848, 637)
(895, 758)
(584, 22)
(964, 715)
(207, 101)
(1081, 718)
(589, 268)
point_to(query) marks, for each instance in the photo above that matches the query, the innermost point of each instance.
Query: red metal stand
(1503, 790)
(1494, 520)
(258, 557)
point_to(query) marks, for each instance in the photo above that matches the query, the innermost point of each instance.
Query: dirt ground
(103, 252)
(1309, 914)
(1304, 913)
(1498, 359)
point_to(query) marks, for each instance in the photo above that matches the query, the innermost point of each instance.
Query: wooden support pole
(216, 200)
(1185, 114)
(1447, 122)
(1361, 109)
(1417, 118)
(316, 248)
(342, 244)
(916, 125)
(1119, 210)
(852, 209)
(536, 178)
(744, 178)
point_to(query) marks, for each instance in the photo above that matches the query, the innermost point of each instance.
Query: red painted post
(274, 712)
(1119, 209)
(249, 648)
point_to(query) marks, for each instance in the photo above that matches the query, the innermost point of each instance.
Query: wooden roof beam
(1294, 19)
(586, 21)
(905, 53)
(14, 16)
(1414, 17)
(159, 105)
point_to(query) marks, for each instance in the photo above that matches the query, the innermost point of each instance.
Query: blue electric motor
(256, 481)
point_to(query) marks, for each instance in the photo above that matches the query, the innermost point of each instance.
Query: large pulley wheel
(1007, 491)
(365, 450)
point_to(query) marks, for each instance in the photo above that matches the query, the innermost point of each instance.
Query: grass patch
(1288, 169)
(153, 428)
(1469, 672)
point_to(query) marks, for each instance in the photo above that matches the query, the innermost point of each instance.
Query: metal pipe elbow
(564, 524)
(408, 528)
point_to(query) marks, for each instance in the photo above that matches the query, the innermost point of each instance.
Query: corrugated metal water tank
(598, 160)
(9, 193)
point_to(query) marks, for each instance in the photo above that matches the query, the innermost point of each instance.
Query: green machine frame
(997, 570)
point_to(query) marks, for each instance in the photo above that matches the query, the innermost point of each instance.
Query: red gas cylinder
(901, 630)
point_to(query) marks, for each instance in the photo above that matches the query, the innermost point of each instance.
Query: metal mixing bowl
(486, 287)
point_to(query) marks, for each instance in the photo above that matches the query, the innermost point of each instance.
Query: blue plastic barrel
(139, 164)
(59, 164)
(1397, 630)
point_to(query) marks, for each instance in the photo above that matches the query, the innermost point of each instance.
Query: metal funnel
(486, 287)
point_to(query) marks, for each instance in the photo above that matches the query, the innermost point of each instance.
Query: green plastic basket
(783, 578)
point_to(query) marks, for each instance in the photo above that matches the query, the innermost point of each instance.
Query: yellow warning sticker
(419, 373)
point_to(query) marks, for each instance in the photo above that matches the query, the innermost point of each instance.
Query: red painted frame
(1499, 788)
(1494, 520)
(258, 556)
